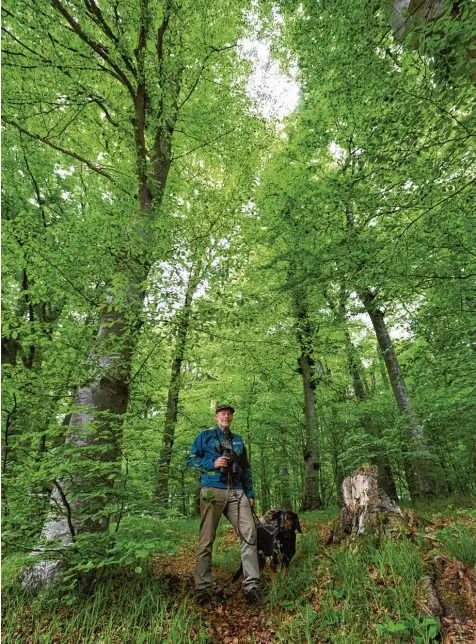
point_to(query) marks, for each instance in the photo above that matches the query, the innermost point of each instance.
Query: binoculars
(233, 468)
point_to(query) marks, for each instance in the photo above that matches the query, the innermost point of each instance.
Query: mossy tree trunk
(311, 494)
(417, 469)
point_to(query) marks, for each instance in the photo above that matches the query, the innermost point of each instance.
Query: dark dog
(287, 524)
(276, 540)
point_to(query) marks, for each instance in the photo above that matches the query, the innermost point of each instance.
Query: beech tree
(167, 247)
(358, 185)
(119, 81)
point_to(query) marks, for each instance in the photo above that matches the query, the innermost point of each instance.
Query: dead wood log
(455, 587)
(448, 589)
(430, 596)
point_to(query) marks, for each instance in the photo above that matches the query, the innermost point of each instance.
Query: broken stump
(367, 508)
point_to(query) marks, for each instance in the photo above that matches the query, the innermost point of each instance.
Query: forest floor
(366, 591)
(294, 609)
(231, 620)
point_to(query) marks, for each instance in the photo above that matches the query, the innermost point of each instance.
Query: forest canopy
(178, 235)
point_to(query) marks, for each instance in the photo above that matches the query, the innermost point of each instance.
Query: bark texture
(311, 496)
(367, 508)
(362, 393)
(408, 16)
(418, 480)
(171, 413)
(103, 401)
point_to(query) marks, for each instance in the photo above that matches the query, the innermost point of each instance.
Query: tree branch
(205, 143)
(213, 50)
(97, 17)
(69, 153)
(67, 508)
(96, 47)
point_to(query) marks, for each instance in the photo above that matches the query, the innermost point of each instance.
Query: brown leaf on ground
(455, 632)
(456, 590)
(325, 533)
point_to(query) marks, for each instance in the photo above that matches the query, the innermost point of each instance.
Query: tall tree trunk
(311, 495)
(95, 430)
(419, 482)
(337, 472)
(171, 413)
(385, 476)
(286, 499)
(265, 497)
(285, 486)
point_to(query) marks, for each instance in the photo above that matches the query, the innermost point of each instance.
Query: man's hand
(221, 462)
(252, 501)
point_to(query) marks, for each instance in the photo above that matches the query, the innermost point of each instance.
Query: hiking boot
(254, 597)
(203, 597)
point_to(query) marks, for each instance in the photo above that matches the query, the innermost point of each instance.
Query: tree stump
(367, 508)
(449, 590)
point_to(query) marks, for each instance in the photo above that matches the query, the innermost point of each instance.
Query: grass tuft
(134, 610)
(459, 542)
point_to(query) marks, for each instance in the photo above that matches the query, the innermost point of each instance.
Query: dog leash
(255, 516)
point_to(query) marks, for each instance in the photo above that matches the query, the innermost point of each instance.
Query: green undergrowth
(456, 520)
(140, 540)
(148, 536)
(368, 590)
(135, 610)
(289, 591)
(358, 593)
(459, 542)
(226, 552)
(450, 509)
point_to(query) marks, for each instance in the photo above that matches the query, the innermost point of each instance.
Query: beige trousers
(235, 506)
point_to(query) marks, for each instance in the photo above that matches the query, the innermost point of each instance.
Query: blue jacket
(206, 449)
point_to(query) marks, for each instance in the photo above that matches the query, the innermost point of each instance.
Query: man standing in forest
(226, 488)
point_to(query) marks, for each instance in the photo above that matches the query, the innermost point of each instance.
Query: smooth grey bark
(416, 469)
(311, 494)
(171, 413)
(419, 482)
(407, 14)
(104, 400)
